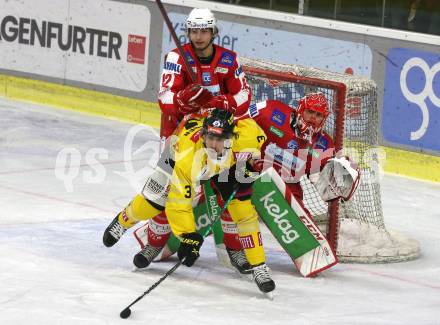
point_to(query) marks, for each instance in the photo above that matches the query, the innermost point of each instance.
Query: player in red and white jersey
(296, 143)
(221, 83)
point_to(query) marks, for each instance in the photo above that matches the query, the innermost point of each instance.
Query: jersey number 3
(188, 191)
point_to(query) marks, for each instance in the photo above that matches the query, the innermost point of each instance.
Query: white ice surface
(54, 268)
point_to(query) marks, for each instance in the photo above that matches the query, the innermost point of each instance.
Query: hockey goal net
(355, 228)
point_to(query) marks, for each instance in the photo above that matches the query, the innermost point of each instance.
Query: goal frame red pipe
(340, 91)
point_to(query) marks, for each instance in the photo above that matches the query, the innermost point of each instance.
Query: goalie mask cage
(355, 228)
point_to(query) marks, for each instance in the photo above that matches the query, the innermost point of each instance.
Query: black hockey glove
(189, 248)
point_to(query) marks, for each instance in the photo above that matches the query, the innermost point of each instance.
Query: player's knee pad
(157, 187)
(243, 214)
(158, 230)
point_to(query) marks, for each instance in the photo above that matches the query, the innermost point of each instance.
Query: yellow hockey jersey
(192, 165)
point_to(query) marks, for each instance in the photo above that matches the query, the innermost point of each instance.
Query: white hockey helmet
(200, 18)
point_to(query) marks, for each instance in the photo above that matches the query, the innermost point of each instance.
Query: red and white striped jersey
(223, 76)
(290, 154)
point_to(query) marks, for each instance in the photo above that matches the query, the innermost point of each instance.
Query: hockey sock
(158, 230)
(138, 209)
(230, 232)
(244, 214)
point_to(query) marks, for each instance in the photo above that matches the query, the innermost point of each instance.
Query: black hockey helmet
(219, 123)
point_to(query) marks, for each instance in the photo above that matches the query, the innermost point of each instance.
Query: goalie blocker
(286, 218)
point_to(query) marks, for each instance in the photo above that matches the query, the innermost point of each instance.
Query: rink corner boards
(401, 162)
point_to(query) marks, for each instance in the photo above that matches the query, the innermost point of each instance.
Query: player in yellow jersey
(213, 149)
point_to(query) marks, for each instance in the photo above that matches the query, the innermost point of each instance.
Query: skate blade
(136, 269)
(269, 295)
(246, 276)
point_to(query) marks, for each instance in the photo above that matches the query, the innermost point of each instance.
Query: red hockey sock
(158, 230)
(230, 237)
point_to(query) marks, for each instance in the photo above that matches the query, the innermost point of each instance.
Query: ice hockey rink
(65, 175)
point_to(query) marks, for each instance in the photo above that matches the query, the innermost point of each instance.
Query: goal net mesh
(360, 235)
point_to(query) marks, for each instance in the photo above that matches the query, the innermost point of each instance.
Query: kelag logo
(411, 112)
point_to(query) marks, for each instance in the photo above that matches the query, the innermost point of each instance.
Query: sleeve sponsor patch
(321, 142)
(227, 59)
(172, 67)
(171, 64)
(221, 70)
(292, 144)
(254, 109)
(276, 131)
(278, 117)
(189, 58)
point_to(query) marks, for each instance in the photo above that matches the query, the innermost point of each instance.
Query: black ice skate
(262, 278)
(113, 233)
(146, 256)
(239, 261)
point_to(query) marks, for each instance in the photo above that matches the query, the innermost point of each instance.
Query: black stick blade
(125, 313)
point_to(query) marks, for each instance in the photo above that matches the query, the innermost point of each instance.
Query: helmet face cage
(219, 123)
(201, 18)
(314, 102)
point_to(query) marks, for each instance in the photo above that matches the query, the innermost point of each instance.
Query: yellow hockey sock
(244, 215)
(138, 209)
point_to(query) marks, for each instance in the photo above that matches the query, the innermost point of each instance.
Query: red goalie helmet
(307, 119)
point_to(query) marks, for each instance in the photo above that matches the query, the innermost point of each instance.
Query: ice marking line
(390, 276)
(80, 166)
(86, 205)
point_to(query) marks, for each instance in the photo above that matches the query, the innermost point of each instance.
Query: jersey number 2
(166, 78)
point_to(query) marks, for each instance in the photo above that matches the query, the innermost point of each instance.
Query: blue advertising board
(411, 105)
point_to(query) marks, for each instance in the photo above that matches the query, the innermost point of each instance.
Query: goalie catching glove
(338, 179)
(192, 98)
(189, 248)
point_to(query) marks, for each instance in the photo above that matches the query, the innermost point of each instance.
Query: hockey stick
(127, 311)
(176, 41)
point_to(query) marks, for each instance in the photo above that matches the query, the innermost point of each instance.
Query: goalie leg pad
(291, 224)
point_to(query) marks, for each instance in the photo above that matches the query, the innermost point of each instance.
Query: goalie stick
(127, 311)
